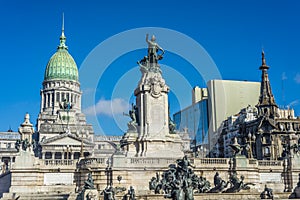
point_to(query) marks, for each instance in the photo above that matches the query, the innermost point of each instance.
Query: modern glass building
(194, 120)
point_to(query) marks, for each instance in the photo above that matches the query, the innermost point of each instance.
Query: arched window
(57, 155)
(48, 155)
(267, 151)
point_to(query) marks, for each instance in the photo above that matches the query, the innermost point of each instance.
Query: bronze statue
(131, 194)
(219, 183)
(153, 48)
(296, 192)
(89, 183)
(236, 184)
(267, 193)
(108, 193)
(179, 181)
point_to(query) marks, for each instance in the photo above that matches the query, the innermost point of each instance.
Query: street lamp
(251, 138)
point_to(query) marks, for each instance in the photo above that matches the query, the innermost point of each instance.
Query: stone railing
(93, 162)
(59, 162)
(8, 149)
(269, 163)
(211, 162)
(252, 161)
(151, 161)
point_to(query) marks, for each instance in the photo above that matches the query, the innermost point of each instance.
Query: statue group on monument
(180, 182)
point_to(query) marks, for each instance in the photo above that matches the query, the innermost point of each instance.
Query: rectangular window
(48, 98)
(52, 99)
(45, 100)
(57, 97)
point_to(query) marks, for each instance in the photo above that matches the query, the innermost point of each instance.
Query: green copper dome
(61, 65)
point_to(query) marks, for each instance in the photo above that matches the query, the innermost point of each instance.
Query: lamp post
(251, 139)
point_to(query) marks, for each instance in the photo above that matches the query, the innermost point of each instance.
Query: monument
(150, 132)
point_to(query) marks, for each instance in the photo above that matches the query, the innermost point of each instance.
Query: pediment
(66, 139)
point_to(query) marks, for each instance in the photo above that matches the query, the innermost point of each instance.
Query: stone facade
(265, 132)
(8, 151)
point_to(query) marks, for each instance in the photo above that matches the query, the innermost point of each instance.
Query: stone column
(43, 155)
(54, 99)
(79, 102)
(9, 164)
(42, 101)
(46, 100)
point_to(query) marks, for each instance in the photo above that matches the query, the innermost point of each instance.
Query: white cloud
(108, 107)
(297, 78)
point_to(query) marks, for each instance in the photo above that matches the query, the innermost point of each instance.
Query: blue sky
(231, 32)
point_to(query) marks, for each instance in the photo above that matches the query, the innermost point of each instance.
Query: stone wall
(137, 172)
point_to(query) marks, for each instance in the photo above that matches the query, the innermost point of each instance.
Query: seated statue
(219, 183)
(108, 193)
(267, 193)
(203, 185)
(237, 184)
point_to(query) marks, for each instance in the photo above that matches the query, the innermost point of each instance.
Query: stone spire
(266, 104)
(62, 38)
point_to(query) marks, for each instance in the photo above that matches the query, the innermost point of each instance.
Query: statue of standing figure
(89, 183)
(153, 48)
(131, 194)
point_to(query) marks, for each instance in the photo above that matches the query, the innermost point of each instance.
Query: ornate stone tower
(150, 133)
(60, 112)
(266, 104)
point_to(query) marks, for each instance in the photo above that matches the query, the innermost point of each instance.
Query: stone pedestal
(26, 160)
(240, 162)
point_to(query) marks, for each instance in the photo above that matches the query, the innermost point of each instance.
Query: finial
(263, 60)
(63, 24)
(62, 38)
